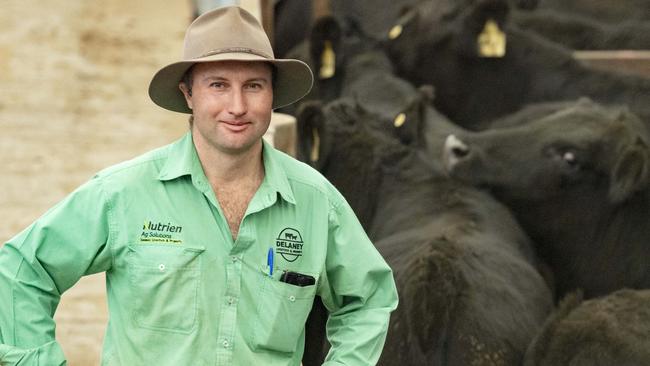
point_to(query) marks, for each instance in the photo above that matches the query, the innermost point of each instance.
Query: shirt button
(161, 267)
(225, 344)
(234, 259)
(292, 298)
(231, 300)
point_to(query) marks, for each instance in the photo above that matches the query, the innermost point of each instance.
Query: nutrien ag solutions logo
(289, 244)
(158, 232)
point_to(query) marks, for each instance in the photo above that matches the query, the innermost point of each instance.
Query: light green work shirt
(180, 290)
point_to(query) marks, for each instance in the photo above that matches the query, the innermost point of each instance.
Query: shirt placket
(228, 316)
(234, 273)
(233, 265)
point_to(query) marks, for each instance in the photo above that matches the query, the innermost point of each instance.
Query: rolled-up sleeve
(359, 292)
(43, 261)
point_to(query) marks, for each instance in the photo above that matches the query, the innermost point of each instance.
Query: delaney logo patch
(289, 244)
(158, 232)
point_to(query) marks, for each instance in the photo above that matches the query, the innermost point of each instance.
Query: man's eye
(254, 86)
(217, 84)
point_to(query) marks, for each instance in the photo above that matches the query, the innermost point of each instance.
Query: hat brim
(293, 80)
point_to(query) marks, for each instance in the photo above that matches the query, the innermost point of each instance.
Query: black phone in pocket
(297, 279)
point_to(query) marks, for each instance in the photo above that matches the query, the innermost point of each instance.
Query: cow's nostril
(459, 151)
(455, 147)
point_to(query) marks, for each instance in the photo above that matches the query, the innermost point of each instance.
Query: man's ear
(630, 173)
(187, 93)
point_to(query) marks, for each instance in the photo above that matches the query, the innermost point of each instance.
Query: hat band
(236, 50)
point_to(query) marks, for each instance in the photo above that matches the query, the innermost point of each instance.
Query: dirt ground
(73, 100)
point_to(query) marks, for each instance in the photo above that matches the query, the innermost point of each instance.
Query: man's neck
(234, 179)
(222, 168)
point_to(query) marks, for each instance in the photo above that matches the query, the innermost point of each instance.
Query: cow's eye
(570, 159)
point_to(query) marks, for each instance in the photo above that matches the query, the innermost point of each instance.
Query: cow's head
(584, 150)
(346, 134)
(394, 105)
(353, 140)
(331, 44)
(472, 28)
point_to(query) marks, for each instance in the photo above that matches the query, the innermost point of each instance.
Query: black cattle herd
(505, 183)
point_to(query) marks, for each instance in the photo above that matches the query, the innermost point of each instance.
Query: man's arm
(47, 354)
(359, 291)
(42, 262)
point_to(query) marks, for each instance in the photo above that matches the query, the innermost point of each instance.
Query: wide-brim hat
(229, 34)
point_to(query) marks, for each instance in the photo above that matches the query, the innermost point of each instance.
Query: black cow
(576, 178)
(581, 33)
(612, 330)
(377, 23)
(365, 74)
(437, 43)
(469, 291)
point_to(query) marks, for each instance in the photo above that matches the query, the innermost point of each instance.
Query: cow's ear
(310, 127)
(325, 45)
(631, 172)
(408, 124)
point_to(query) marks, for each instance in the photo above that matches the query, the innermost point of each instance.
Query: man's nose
(237, 105)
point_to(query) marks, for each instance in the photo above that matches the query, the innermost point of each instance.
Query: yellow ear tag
(492, 41)
(315, 147)
(395, 31)
(399, 120)
(328, 62)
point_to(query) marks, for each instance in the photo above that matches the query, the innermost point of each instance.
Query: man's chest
(177, 215)
(234, 203)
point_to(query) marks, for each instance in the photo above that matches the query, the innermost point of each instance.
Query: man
(214, 246)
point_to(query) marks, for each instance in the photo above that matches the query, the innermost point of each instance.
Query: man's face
(232, 104)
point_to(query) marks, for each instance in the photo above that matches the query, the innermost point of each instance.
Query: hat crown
(229, 34)
(226, 30)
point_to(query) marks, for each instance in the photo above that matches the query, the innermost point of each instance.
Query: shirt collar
(183, 160)
(275, 175)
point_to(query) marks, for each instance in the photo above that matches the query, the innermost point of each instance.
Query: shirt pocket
(282, 312)
(165, 283)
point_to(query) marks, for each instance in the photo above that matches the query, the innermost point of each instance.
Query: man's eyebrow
(259, 79)
(222, 78)
(214, 77)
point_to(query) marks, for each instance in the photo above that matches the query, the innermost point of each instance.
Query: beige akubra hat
(229, 34)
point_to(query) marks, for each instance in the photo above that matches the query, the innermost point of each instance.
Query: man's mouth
(236, 126)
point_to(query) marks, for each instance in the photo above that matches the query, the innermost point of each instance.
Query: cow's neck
(357, 178)
(407, 197)
(589, 244)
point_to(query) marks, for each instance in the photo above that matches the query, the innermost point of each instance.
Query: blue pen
(269, 261)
